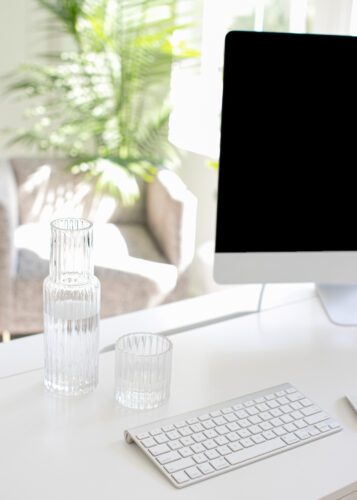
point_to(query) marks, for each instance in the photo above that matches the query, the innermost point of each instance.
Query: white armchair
(141, 252)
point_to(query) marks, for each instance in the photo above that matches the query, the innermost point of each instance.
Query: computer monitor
(287, 196)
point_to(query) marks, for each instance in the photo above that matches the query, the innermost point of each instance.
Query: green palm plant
(104, 104)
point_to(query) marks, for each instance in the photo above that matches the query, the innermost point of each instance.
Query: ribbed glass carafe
(71, 303)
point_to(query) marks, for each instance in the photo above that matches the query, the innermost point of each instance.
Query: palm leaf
(106, 104)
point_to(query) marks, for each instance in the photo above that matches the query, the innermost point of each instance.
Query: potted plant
(104, 104)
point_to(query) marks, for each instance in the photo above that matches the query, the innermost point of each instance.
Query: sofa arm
(171, 217)
(8, 223)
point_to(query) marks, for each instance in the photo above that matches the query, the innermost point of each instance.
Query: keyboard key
(174, 445)
(237, 407)
(209, 444)
(255, 451)
(302, 434)
(248, 403)
(224, 450)
(159, 449)
(183, 463)
(255, 419)
(219, 463)
(269, 435)
(220, 421)
(227, 410)
(192, 421)
(232, 436)
(279, 431)
(283, 400)
(211, 454)
(168, 428)
(205, 416)
(306, 402)
(286, 419)
(193, 472)
(259, 400)
(255, 429)
(290, 427)
(310, 410)
(143, 435)
(178, 425)
(210, 434)
(296, 405)
(161, 438)
(233, 426)
(222, 429)
(197, 427)
(259, 438)
(290, 390)
(165, 458)
(246, 442)
(198, 437)
(231, 417)
(270, 397)
(263, 407)
(209, 424)
(221, 440)
(295, 396)
(266, 426)
(180, 477)
(199, 458)
(185, 431)
(173, 435)
(280, 393)
(252, 411)
(185, 452)
(148, 442)
(198, 448)
(205, 468)
(242, 414)
(290, 438)
(297, 415)
(235, 446)
(300, 424)
(187, 441)
(155, 432)
(317, 417)
(215, 414)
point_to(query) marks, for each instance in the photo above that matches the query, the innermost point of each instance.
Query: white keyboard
(204, 443)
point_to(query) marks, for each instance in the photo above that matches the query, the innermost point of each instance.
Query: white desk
(74, 449)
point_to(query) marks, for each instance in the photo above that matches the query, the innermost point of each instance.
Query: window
(196, 92)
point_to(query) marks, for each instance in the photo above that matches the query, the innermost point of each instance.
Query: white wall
(20, 39)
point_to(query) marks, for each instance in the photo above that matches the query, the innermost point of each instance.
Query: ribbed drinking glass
(71, 302)
(143, 370)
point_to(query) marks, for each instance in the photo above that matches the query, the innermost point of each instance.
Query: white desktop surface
(74, 449)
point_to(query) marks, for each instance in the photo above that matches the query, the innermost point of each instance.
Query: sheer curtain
(196, 91)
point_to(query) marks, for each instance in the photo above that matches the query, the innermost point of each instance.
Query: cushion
(132, 271)
(47, 191)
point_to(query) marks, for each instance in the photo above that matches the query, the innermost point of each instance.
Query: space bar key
(255, 451)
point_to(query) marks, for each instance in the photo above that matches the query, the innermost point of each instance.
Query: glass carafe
(71, 302)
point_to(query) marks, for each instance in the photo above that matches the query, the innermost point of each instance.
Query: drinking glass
(143, 370)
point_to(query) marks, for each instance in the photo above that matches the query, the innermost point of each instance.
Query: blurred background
(110, 92)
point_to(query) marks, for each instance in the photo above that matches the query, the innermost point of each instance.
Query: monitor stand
(340, 303)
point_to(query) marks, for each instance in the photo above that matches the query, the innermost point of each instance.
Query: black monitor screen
(288, 144)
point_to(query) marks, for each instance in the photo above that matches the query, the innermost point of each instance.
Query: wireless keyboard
(201, 444)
